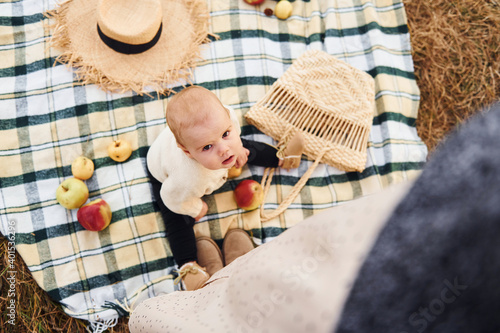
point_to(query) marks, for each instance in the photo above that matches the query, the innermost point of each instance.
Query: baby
(191, 158)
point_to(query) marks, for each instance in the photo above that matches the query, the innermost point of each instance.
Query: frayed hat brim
(169, 62)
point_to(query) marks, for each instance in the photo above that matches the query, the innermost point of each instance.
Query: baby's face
(215, 142)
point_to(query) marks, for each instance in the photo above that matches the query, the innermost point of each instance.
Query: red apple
(248, 194)
(254, 2)
(94, 216)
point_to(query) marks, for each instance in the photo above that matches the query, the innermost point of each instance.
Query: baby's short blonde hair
(188, 108)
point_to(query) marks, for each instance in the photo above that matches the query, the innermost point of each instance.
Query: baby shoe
(192, 276)
(291, 153)
(236, 243)
(209, 255)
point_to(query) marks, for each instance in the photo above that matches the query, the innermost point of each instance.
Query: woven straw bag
(330, 102)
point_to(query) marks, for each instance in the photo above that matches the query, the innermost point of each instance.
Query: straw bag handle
(266, 184)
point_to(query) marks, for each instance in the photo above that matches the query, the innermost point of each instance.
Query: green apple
(82, 168)
(248, 194)
(119, 150)
(72, 193)
(95, 216)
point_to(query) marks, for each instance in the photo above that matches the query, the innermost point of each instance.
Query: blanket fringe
(101, 326)
(123, 309)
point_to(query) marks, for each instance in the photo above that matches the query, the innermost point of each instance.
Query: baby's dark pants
(179, 228)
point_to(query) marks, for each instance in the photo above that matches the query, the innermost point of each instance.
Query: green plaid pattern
(47, 119)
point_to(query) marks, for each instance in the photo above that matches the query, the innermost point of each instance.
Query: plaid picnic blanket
(47, 119)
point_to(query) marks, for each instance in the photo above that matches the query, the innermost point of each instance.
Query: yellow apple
(94, 216)
(72, 193)
(119, 150)
(233, 172)
(82, 168)
(283, 9)
(248, 194)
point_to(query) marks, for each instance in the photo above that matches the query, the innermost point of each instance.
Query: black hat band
(126, 48)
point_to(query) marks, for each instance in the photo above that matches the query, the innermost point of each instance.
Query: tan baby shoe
(291, 152)
(236, 243)
(192, 276)
(209, 255)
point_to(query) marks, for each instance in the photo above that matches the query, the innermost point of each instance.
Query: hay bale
(455, 47)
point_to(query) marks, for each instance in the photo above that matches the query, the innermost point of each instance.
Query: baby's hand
(242, 158)
(204, 209)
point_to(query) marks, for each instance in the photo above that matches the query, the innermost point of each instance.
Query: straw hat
(134, 45)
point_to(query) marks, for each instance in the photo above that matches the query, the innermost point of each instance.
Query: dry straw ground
(457, 66)
(457, 61)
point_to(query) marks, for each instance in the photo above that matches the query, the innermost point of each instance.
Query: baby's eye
(226, 133)
(207, 147)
